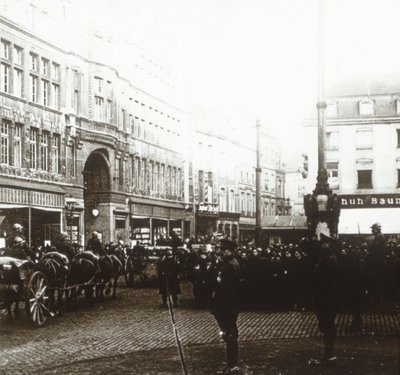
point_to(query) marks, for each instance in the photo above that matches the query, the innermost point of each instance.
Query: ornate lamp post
(322, 207)
(70, 204)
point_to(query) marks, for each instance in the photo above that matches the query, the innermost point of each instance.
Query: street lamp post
(322, 207)
(70, 204)
(258, 228)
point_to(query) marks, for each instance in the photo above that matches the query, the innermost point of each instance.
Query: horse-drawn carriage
(21, 282)
(143, 262)
(42, 286)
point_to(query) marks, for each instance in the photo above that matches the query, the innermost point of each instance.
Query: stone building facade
(362, 151)
(82, 147)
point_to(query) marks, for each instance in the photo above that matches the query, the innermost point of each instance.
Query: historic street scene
(199, 187)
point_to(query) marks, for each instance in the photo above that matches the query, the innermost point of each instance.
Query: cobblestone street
(133, 334)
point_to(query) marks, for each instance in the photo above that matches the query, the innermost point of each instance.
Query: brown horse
(110, 270)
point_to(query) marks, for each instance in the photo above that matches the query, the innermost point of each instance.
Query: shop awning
(284, 222)
(355, 221)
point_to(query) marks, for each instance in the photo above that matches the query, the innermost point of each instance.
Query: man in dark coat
(168, 277)
(63, 246)
(224, 305)
(325, 297)
(375, 263)
(94, 244)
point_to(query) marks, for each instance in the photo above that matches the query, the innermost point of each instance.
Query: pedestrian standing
(375, 264)
(224, 305)
(168, 277)
(325, 295)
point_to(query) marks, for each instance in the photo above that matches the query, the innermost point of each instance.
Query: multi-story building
(225, 185)
(83, 147)
(362, 152)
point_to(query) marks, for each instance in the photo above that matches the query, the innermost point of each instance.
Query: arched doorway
(97, 184)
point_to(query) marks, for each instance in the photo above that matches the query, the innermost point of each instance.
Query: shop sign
(370, 201)
(208, 208)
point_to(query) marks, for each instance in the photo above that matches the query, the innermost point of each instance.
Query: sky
(257, 59)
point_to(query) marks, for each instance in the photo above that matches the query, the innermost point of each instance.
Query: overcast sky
(258, 58)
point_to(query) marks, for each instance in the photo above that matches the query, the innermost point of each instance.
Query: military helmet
(377, 226)
(17, 227)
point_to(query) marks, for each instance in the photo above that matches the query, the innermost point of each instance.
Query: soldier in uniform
(375, 263)
(64, 247)
(94, 244)
(16, 231)
(168, 272)
(224, 305)
(325, 297)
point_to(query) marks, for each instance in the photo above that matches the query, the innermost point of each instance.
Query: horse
(54, 265)
(110, 270)
(135, 265)
(82, 275)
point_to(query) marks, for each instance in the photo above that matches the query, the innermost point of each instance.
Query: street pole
(258, 229)
(322, 207)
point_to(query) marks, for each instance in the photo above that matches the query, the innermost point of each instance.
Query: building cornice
(354, 121)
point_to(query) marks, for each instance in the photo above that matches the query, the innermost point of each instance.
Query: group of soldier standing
(324, 275)
(226, 279)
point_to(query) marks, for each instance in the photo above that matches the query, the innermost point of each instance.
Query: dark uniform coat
(168, 272)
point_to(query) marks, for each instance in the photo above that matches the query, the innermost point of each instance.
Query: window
(72, 160)
(45, 93)
(231, 201)
(5, 145)
(34, 62)
(98, 109)
(332, 140)
(162, 179)
(123, 122)
(55, 71)
(398, 178)
(364, 179)
(109, 110)
(17, 56)
(55, 153)
(222, 199)
(45, 66)
(33, 137)
(5, 49)
(76, 101)
(5, 77)
(364, 139)
(18, 145)
(44, 151)
(156, 178)
(55, 95)
(17, 91)
(34, 88)
(332, 109)
(242, 203)
(366, 107)
(398, 137)
(98, 85)
(333, 174)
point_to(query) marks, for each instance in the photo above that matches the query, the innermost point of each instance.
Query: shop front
(39, 212)
(228, 224)
(359, 212)
(152, 222)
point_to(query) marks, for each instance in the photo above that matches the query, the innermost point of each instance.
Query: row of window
(364, 176)
(366, 107)
(44, 76)
(44, 148)
(152, 176)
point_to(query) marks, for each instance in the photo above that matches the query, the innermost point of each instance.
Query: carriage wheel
(37, 302)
